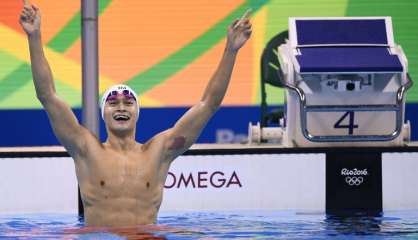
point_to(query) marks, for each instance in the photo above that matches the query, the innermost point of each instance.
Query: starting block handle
(401, 91)
(304, 109)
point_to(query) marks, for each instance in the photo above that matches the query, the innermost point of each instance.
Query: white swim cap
(116, 90)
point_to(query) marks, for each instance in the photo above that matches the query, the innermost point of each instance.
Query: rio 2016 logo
(354, 177)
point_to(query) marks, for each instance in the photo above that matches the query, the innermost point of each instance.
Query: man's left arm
(189, 126)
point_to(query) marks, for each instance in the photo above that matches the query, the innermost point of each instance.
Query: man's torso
(122, 189)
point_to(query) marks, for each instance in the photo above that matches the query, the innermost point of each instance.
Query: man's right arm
(64, 123)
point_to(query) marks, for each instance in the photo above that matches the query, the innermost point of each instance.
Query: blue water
(220, 225)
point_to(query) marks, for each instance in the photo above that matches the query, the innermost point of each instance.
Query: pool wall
(211, 178)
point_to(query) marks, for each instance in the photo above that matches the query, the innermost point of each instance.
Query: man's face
(120, 113)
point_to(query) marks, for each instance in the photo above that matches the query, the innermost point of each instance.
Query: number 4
(350, 125)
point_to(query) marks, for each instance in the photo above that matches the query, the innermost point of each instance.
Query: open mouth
(121, 117)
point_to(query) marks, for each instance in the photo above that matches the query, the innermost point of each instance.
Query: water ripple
(222, 225)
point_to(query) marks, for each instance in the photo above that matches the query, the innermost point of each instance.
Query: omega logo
(202, 179)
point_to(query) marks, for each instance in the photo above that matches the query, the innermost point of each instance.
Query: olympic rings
(354, 181)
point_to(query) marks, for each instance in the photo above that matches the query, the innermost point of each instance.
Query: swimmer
(121, 181)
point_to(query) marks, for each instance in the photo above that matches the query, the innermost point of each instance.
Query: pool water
(220, 225)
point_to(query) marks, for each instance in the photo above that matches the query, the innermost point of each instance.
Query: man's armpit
(178, 143)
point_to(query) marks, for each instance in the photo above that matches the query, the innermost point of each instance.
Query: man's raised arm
(64, 123)
(188, 128)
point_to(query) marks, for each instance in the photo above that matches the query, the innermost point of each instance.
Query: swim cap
(116, 90)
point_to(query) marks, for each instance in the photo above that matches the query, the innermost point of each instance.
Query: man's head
(120, 108)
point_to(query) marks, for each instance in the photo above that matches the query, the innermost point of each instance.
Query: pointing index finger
(246, 14)
(243, 18)
(26, 2)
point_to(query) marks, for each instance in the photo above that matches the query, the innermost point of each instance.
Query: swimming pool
(221, 225)
(205, 192)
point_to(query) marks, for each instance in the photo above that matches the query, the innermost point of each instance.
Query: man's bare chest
(122, 173)
(113, 175)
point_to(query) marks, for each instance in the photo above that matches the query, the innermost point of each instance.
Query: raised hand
(30, 18)
(239, 32)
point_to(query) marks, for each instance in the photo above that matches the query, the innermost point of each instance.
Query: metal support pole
(90, 108)
(90, 63)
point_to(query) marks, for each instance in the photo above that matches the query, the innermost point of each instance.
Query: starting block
(345, 82)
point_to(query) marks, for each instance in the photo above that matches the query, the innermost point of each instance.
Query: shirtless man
(121, 181)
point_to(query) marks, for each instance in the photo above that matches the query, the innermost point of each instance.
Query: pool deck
(410, 146)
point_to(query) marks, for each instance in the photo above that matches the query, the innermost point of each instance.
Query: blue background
(32, 128)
